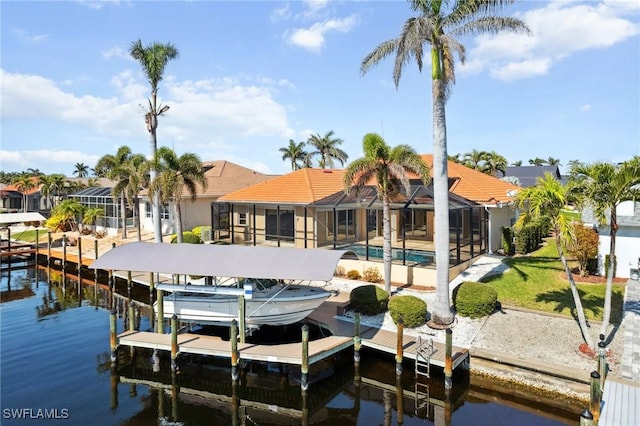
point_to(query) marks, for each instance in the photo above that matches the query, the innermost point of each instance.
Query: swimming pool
(375, 252)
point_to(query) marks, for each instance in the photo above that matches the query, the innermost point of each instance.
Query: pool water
(375, 252)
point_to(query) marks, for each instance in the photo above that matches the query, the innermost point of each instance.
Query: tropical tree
(91, 215)
(153, 59)
(110, 166)
(388, 167)
(604, 186)
(175, 175)
(455, 158)
(327, 147)
(517, 163)
(553, 161)
(537, 161)
(24, 184)
(547, 199)
(494, 163)
(294, 152)
(136, 175)
(474, 159)
(437, 25)
(67, 213)
(81, 169)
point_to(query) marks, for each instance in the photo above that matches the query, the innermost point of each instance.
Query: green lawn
(538, 282)
(29, 235)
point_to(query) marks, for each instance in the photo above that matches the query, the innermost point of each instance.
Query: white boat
(267, 302)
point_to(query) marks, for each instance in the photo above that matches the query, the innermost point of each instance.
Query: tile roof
(306, 186)
(15, 187)
(474, 185)
(224, 177)
(302, 186)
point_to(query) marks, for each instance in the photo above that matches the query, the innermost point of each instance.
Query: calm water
(55, 368)
(411, 256)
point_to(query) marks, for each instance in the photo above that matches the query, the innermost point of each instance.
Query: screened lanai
(101, 197)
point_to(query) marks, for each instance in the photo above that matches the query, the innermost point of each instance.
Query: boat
(267, 302)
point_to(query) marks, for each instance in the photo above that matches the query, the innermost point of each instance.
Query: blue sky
(252, 75)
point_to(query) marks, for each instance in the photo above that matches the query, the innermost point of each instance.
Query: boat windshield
(260, 283)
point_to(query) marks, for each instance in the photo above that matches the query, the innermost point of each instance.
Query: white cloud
(314, 7)
(313, 38)
(51, 157)
(280, 14)
(116, 52)
(26, 37)
(585, 107)
(559, 29)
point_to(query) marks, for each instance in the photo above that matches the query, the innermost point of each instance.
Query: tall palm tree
(81, 169)
(437, 25)
(176, 175)
(110, 166)
(604, 186)
(153, 59)
(553, 161)
(537, 161)
(388, 167)
(136, 171)
(327, 147)
(294, 152)
(517, 163)
(24, 184)
(474, 159)
(547, 199)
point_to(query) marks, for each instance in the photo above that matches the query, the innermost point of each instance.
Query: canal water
(56, 369)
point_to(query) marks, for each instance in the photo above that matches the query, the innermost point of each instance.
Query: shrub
(584, 247)
(198, 230)
(411, 309)
(372, 275)
(353, 275)
(369, 299)
(507, 241)
(187, 237)
(339, 271)
(475, 300)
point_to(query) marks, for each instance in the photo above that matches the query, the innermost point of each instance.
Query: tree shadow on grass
(592, 305)
(520, 264)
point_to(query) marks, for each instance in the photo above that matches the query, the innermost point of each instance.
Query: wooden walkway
(291, 353)
(17, 249)
(620, 403)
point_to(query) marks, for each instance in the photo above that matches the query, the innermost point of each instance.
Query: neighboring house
(627, 239)
(527, 176)
(309, 208)
(222, 177)
(12, 198)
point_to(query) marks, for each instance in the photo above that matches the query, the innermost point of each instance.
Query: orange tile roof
(306, 186)
(303, 186)
(31, 191)
(474, 185)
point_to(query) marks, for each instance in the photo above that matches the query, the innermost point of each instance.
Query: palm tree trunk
(386, 243)
(136, 216)
(153, 145)
(123, 210)
(582, 321)
(442, 313)
(606, 314)
(179, 217)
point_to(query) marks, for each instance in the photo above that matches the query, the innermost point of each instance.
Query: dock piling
(64, 251)
(399, 346)
(132, 315)
(586, 418)
(160, 323)
(595, 396)
(234, 350)
(602, 361)
(357, 341)
(80, 258)
(304, 366)
(174, 343)
(37, 243)
(49, 242)
(448, 362)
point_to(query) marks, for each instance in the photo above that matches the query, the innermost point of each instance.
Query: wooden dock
(620, 403)
(17, 249)
(291, 353)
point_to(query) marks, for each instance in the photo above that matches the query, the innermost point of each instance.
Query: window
(280, 227)
(344, 225)
(164, 212)
(242, 219)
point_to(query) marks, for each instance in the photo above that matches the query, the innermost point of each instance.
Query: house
(627, 239)
(222, 177)
(12, 197)
(527, 176)
(308, 208)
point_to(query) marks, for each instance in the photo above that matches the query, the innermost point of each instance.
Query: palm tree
(537, 161)
(82, 170)
(136, 171)
(110, 166)
(327, 147)
(153, 59)
(547, 199)
(295, 152)
(604, 186)
(553, 161)
(388, 166)
(517, 163)
(176, 174)
(474, 159)
(90, 216)
(494, 163)
(69, 210)
(24, 184)
(438, 30)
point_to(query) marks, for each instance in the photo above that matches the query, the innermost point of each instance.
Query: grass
(29, 235)
(538, 282)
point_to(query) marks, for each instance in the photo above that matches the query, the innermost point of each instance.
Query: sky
(253, 75)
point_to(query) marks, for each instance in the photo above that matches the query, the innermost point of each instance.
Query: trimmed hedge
(188, 238)
(369, 299)
(475, 300)
(507, 241)
(411, 309)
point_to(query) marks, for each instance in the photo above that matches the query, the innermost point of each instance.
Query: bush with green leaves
(475, 300)
(369, 299)
(188, 238)
(411, 309)
(353, 275)
(507, 241)
(198, 230)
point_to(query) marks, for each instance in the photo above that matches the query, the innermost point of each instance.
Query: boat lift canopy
(224, 260)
